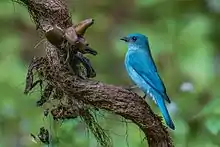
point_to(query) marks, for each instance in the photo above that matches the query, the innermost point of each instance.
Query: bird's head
(136, 40)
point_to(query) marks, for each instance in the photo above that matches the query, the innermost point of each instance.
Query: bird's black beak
(125, 39)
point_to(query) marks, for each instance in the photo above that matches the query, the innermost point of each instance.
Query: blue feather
(142, 70)
(143, 64)
(161, 104)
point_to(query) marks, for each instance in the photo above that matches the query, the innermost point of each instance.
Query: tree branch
(56, 70)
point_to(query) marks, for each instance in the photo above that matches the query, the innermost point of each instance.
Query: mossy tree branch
(53, 20)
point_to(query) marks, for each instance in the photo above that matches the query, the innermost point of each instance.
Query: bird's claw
(144, 96)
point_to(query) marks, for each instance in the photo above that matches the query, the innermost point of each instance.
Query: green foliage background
(184, 38)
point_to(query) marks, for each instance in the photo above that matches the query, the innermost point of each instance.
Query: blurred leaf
(148, 2)
(212, 108)
(213, 124)
(196, 58)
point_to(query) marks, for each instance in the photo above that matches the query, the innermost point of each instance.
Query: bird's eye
(134, 38)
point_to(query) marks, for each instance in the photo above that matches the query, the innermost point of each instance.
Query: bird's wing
(144, 65)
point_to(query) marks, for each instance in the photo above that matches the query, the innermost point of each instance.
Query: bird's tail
(161, 104)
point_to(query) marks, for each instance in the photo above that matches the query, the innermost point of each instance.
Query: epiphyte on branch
(142, 70)
(46, 112)
(34, 65)
(72, 40)
(69, 38)
(79, 58)
(43, 136)
(88, 50)
(62, 113)
(83, 26)
(45, 95)
(55, 35)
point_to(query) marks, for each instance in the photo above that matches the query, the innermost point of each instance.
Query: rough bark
(82, 93)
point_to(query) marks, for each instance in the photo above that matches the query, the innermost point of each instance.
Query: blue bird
(142, 70)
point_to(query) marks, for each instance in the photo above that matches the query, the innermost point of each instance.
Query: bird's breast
(133, 74)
